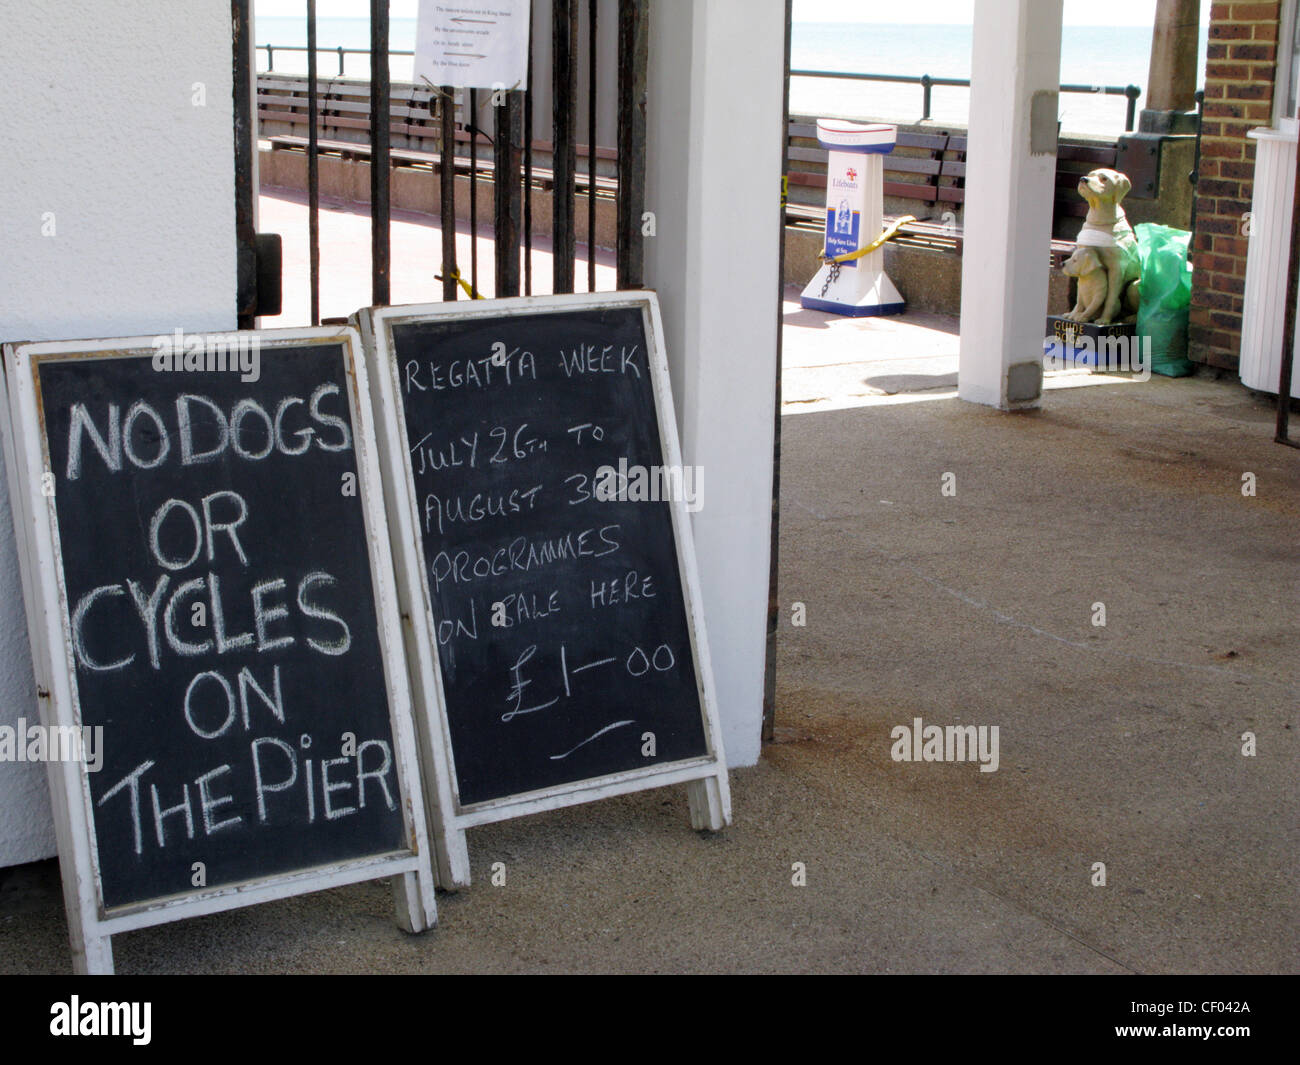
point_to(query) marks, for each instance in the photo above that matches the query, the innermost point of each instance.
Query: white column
(713, 183)
(1010, 176)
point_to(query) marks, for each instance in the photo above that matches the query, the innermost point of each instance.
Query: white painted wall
(1009, 191)
(713, 181)
(101, 130)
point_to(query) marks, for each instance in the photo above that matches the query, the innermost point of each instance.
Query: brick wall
(1240, 70)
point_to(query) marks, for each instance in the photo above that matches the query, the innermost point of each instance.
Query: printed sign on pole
(472, 44)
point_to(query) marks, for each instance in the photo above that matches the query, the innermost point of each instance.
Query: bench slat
(930, 142)
(808, 155)
(1086, 153)
(906, 164)
(910, 191)
(361, 150)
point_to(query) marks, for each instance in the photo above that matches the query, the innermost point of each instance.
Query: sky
(1077, 12)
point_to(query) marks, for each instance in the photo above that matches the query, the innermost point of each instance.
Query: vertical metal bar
(1195, 175)
(447, 185)
(245, 135)
(472, 126)
(591, 146)
(633, 56)
(508, 193)
(528, 165)
(270, 59)
(380, 169)
(313, 165)
(1132, 92)
(564, 92)
(774, 560)
(1288, 329)
(927, 96)
(340, 61)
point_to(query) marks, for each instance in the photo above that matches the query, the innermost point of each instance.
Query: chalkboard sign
(219, 623)
(541, 516)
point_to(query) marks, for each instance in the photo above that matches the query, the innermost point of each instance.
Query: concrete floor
(1118, 744)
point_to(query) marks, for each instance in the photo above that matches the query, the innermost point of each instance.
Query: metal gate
(444, 122)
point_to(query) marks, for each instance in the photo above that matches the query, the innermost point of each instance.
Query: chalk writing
(222, 618)
(559, 616)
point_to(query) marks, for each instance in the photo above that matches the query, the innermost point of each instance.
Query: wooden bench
(344, 113)
(358, 151)
(925, 169)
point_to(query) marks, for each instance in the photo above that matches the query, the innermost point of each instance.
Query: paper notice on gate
(474, 44)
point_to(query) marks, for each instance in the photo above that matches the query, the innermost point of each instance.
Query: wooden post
(1175, 50)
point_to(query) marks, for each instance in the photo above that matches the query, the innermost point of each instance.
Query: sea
(1091, 56)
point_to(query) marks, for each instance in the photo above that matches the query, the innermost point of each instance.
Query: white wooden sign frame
(90, 924)
(708, 791)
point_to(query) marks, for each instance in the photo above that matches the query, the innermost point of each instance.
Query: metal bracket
(1139, 157)
(261, 288)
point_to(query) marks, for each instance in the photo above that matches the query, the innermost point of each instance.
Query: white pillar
(1010, 181)
(713, 182)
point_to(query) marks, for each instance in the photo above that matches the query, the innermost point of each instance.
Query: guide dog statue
(1094, 286)
(1106, 246)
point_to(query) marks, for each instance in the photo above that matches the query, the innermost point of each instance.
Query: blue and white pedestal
(855, 216)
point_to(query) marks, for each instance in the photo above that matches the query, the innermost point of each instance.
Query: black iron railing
(511, 138)
(927, 83)
(340, 51)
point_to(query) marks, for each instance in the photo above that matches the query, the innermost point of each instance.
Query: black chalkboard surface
(532, 462)
(218, 585)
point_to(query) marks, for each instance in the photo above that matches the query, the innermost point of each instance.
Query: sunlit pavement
(416, 258)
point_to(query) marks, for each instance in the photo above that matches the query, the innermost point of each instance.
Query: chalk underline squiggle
(594, 735)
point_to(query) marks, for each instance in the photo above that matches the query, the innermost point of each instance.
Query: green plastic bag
(1166, 297)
